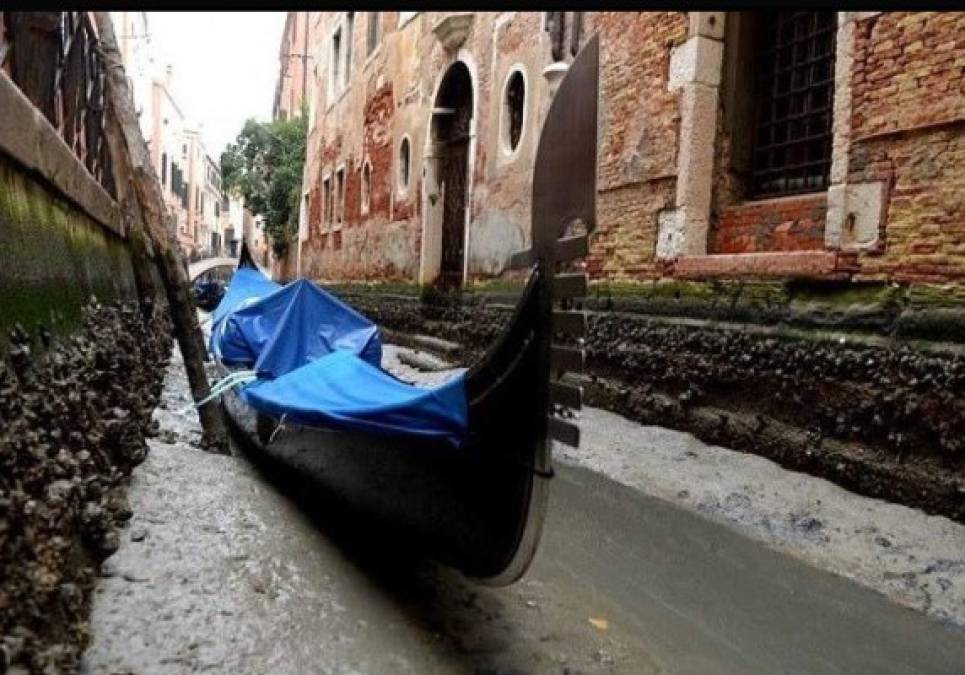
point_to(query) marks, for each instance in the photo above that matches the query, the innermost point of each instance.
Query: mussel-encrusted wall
(74, 414)
(885, 419)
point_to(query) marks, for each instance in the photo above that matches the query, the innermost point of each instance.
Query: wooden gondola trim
(564, 432)
(567, 359)
(521, 260)
(567, 249)
(570, 323)
(572, 248)
(571, 285)
(566, 395)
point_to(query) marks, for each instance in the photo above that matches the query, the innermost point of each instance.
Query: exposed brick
(906, 132)
(786, 224)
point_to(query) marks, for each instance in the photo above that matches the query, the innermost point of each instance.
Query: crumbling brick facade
(676, 147)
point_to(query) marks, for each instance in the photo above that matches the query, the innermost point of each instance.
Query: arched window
(514, 106)
(366, 187)
(404, 164)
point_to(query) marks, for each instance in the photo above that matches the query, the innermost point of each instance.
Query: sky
(224, 67)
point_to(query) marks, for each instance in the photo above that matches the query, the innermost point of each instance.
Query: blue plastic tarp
(342, 391)
(293, 326)
(318, 363)
(247, 284)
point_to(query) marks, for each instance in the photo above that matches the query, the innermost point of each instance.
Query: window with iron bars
(794, 92)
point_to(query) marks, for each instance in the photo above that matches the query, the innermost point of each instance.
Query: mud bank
(74, 414)
(914, 559)
(221, 571)
(884, 419)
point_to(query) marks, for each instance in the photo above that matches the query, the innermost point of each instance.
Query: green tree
(264, 165)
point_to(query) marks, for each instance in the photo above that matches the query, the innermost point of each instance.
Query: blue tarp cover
(342, 391)
(318, 363)
(247, 284)
(293, 326)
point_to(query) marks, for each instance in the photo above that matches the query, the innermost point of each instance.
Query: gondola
(207, 293)
(479, 507)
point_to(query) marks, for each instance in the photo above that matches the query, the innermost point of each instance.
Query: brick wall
(908, 130)
(906, 134)
(783, 224)
(377, 148)
(924, 233)
(638, 138)
(908, 71)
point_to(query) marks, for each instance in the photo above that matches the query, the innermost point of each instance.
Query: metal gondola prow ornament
(564, 216)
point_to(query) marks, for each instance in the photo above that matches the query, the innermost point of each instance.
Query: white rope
(223, 385)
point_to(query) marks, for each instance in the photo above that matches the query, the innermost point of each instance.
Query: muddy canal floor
(690, 561)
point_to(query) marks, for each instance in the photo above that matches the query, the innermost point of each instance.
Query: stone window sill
(800, 264)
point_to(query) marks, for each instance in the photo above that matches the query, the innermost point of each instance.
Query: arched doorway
(451, 135)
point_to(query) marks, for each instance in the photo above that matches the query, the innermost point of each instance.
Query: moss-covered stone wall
(53, 257)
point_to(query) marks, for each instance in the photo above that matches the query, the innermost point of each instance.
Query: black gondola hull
(478, 507)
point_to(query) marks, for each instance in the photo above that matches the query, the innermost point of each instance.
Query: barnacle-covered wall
(81, 362)
(862, 385)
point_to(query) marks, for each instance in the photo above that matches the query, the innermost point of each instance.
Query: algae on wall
(53, 257)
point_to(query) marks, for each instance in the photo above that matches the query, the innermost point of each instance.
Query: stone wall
(61, 235)
(81, 361)
(53, 256)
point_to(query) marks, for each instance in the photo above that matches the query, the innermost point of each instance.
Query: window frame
(767, 51)
(335, 50)
(372, 44)
(348, 23)
(505, 143)
(328, 214)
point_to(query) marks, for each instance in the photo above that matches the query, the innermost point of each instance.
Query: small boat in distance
(477, 498)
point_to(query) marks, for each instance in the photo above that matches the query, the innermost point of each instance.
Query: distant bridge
(196, 269)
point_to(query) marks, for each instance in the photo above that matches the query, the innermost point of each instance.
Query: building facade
(779, 144)
(778, 255)
(190, 179)
(294, 65)
(133, 34)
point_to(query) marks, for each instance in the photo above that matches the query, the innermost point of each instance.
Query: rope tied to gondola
(221, 386)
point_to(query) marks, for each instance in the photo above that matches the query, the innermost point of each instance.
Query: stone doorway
(447, 180)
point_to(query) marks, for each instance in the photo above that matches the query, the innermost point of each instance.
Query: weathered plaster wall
(390, 97)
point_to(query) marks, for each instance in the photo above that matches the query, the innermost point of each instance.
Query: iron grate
(795, 92)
